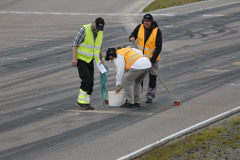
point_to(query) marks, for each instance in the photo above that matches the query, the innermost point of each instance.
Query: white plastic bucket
(115, 99)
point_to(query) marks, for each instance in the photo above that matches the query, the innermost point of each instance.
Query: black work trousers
(86, 74)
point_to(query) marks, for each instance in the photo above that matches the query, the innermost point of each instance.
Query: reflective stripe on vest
(90, 48)
(130, 56)
(150, 44)
(87, 54)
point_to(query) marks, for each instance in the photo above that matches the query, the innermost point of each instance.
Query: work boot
(127, 105)
(149, 101)
(83, 107)
(137, 104)
(90, 107)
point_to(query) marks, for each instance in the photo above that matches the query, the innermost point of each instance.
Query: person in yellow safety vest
(149, 37)
(136, 66)
(86, 48)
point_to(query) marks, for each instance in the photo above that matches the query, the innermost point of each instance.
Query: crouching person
(136, 66)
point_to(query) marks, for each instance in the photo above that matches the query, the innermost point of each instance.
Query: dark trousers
(152, 86)
(86, 74)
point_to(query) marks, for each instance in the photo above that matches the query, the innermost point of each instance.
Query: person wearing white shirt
(132, 67)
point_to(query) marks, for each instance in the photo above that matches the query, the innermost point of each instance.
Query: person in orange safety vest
(149, 37)
(136, 66)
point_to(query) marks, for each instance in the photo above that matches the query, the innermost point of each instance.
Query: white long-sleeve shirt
(140, 63)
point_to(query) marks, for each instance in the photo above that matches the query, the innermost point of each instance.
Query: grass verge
(158, 4)
(215, 142)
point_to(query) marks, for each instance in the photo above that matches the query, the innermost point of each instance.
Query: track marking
(94, 111)
(237, 63)
(222, 5)
(122, 14)
(8, 58)
(215, 70)
(73, 114)
(37, 39)
(82, 14)
(58, 47)
(213, 15)
(168, 26)
(180, 133)
(41, 109)
(232, 84)
(229, 56)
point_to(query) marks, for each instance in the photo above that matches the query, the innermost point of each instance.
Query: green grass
(189, 144)
(158, 4)
(201, 144)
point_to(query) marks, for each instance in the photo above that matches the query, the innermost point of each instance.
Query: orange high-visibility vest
(130, 56)
(150, 44)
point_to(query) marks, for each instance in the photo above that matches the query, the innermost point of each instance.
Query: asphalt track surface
(200, 63)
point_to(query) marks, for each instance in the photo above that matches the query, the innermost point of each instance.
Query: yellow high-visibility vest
(150, 44)
(130, 56)
(88, 48)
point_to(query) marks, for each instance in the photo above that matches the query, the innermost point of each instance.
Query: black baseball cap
(148, 17)
(99, 23)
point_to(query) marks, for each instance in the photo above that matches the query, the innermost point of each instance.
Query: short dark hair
(110, 52)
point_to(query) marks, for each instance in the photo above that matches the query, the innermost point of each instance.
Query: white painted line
(232, 84)
(73, 114)
(52, 13)
(82, 14)
(212, 7)
(95, 111)
(165, 14)
(41, 109)
(215, 70)
(119, 14)
(36, 39)
(180, 133)
(32, 39)
(213, 15)
(168, 26)
(14, 58)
